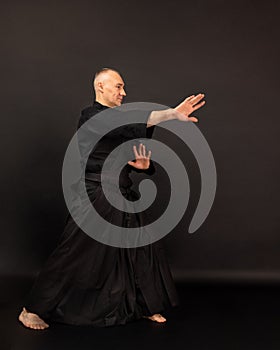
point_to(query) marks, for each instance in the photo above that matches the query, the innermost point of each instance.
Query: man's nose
(123, 92)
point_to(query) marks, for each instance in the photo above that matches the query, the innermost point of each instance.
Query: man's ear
(100, 86)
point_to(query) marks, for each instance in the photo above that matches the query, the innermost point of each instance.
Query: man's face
(113, 89)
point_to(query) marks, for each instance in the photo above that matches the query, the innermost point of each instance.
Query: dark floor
(210, 317)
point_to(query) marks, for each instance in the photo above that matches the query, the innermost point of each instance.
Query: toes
(156, 318)
(37, 326)
(159, 318)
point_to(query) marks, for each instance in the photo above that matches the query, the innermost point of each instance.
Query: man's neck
(103, 103)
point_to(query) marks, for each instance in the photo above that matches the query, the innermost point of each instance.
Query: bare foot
(30, 320)
(157, 318)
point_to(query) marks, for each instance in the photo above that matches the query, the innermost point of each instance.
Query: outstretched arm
(181, 112)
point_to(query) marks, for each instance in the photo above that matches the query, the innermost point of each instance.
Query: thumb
(193, 119)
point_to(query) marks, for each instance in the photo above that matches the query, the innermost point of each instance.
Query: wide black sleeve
(138, 130)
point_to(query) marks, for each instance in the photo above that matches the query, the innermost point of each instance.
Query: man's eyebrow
(120, 84)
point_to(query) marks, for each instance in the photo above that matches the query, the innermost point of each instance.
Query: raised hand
(188, 106)
(142, 161)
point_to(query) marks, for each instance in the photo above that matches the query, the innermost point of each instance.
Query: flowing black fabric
(85, 282)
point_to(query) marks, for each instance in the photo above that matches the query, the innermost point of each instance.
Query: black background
(165, 51)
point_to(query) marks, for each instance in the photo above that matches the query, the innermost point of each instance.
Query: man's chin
(117, 103)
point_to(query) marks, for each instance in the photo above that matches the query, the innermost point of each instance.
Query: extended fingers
(194, 100)
(135, 152)
(141, 152)
(189, 98)
(198, 105)
(143, 149)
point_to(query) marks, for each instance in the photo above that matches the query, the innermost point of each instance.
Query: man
(85, 282)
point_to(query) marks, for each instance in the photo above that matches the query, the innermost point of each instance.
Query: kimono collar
(99, 106)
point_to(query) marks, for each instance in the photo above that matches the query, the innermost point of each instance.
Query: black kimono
(85, 282)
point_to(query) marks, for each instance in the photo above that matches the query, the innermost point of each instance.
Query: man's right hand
(188, 106)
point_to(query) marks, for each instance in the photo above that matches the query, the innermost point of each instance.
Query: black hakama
(85, 282)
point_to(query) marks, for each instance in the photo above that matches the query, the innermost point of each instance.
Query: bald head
(109, 87)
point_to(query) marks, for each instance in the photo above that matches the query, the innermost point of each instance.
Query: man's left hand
(142, 161)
